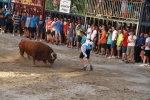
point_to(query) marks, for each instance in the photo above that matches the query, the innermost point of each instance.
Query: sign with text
(65, 6)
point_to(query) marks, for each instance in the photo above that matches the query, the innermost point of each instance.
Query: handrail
(115, 8)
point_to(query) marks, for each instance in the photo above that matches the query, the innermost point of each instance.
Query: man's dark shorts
(16, 27)
(32, 29)
(124, 49)
(113, 44)
(147, 53)
(87, 52)
(41, 31)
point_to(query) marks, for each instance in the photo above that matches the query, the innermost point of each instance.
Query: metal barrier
(114, 8)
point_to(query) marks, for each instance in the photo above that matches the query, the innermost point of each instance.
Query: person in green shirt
(119, 42)
(78, 29)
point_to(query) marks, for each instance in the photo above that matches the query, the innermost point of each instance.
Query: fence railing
(115, 8)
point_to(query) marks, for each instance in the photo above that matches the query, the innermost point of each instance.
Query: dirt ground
(111, 79)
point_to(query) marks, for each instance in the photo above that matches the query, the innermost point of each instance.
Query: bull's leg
(44, 61)
(22, 54)
(34, 63)
(29, 57)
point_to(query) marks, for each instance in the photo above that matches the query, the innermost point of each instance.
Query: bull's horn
(52, 54)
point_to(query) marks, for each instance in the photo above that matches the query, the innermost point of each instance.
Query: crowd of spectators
(111, 41)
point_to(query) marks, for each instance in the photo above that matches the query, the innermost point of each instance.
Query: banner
(65, 6)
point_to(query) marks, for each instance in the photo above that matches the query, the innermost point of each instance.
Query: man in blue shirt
(32, 25)
(58, 34)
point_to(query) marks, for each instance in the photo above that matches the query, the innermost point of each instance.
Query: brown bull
(38, 50)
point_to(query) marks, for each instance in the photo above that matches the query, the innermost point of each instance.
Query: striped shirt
(17, 19)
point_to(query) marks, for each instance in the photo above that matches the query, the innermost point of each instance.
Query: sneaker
(91, 68)
(143, 64)
(109, 57)
(41, 40)
(19, 35)
(113, 57)
(84, 68)
(13, 34)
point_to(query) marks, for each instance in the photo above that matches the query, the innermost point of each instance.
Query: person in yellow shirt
(119, 42)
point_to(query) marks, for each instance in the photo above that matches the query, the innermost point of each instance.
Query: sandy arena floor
(111, 79)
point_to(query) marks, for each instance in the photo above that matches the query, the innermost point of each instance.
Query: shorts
(142, 53)
(124, 49)
(49, 32)
(70, 39)
(26, 28)
(32, 29)
(130, 51)
(57, 34)
(79, 38)
(118, 48)
(103, 46)
(147, 53)
(40, 31)
(2, 23)
(16, 27)
(87, 52)
(113, 44)
(94, 43)
(108, 46)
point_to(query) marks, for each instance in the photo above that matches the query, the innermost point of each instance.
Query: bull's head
(52, 58)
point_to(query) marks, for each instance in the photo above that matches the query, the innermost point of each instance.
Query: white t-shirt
(129, 39)
(27, 22)
(89, 30)
(114, 34)
(94, 33)
(147, 41)
(54, 26)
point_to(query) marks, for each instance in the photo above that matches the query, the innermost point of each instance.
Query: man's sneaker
(13, 34)
(143, 64)
(84, 68)
(91, 68)
(109, 57)
(113, 57)
(19, 35)
(41, 40)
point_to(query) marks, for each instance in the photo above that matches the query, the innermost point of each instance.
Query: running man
(85, 52)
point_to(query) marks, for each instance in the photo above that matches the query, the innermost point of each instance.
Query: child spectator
(109, 42)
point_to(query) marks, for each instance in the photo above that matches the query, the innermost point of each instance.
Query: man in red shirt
(66, 25)
(124, 44)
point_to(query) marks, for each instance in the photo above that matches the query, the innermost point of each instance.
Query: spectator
(94, 38)
(32, 24)
(16, 19)
(147, 51)
(109, 42)
(78, 29)
(113, 44)
(103, 40)
(49, 30)
(138, 47)
(9, 22)
(2, 20)
(58, 35)
(119, 42)
(41, 25)
(27, 25)
(124, 44)
(70, 35)
(130, 48)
